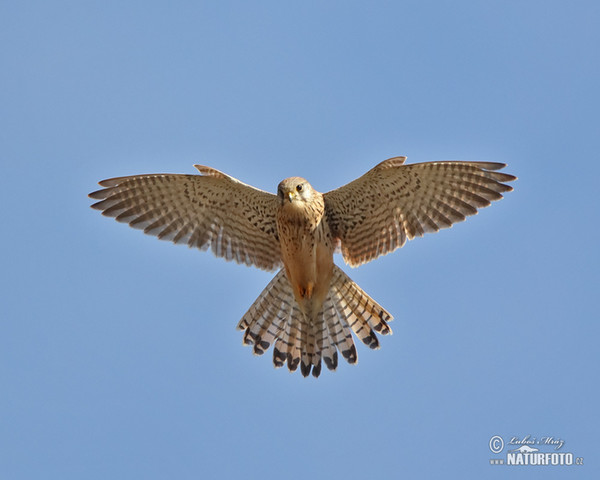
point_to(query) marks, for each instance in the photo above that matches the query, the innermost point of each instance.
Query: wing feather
(212, 210)
(376, 213)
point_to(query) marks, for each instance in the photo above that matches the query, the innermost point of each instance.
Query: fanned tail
(275, 318)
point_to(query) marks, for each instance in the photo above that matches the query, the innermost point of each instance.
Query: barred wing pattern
(275, 318)
(237, 221)
(376, 213)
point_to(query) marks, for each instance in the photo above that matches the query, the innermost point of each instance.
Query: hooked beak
(290, 196)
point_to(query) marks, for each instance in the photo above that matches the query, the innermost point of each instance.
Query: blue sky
(119, 356)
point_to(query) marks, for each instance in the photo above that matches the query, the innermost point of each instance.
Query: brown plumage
(309, 309)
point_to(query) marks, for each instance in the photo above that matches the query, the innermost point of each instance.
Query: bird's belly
(308, 260)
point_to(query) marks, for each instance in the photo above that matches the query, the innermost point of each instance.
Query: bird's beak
(290, 196)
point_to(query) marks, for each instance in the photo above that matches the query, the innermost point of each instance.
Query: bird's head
(295, 189)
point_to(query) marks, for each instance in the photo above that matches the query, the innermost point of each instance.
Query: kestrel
(310, 307)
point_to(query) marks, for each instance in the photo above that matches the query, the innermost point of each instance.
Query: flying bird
(309, 309)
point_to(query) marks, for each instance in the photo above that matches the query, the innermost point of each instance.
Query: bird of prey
(309, 309)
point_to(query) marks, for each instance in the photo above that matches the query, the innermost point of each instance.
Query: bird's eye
(299, 188)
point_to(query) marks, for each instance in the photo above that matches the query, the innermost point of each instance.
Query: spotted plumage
(309, 309)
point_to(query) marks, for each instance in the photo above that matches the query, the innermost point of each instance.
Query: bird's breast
(307, 251)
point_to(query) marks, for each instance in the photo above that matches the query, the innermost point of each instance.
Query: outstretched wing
(237, 221)
(376, 213)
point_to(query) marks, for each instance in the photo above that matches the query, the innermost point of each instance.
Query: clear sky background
(119, 356)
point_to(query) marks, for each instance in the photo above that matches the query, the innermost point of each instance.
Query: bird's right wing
(237, 221)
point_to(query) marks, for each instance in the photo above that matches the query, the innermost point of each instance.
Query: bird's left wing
(376, 213)
(237, 221)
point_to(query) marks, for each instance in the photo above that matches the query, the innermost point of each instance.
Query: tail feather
(299, 341)
(264, 321)
(359, 310)
(307, 349)
(326, 341)
(320, 336)
(294, 346)
(341, 335)
(292, 340)
(311, 354)
(329, 353)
